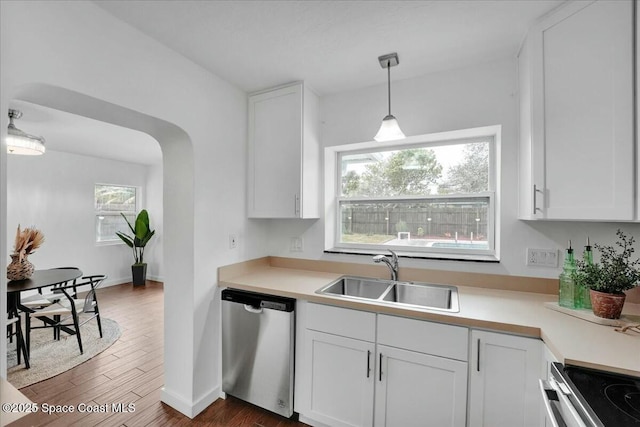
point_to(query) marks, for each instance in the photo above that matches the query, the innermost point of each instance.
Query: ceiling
(332, 45)
(70, 133)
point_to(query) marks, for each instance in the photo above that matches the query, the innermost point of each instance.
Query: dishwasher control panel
(258, 300)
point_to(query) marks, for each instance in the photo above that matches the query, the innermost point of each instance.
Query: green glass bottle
(584, 297)
(567, 292)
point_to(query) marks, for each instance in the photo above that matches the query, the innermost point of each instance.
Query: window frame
(333, 197)
(97, 213)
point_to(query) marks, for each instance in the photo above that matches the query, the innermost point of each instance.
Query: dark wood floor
(131, 371)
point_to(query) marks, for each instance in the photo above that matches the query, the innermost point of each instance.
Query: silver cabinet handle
(296, 205)
(478, 357)
(368, 363)
(535, 191)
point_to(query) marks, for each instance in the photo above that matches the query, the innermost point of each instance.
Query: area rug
(50, 358)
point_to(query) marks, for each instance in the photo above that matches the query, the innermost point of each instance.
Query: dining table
(56, 277)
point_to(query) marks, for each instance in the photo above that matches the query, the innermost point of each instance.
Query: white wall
(153, 202)
(483, 95)
(56, 195)
(86, 54)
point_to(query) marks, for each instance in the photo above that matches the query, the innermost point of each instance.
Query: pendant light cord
(389, 83)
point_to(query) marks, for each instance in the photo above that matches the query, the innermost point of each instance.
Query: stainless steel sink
(358, 287)
(393, 293)
(438, 297)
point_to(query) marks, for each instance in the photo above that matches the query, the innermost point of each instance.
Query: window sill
(413, 255)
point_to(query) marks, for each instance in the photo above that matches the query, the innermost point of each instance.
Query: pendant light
(389, 129)
(19, 142)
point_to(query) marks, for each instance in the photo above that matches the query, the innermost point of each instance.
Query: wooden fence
(434, 222)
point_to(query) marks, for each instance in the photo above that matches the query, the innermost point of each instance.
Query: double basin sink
(388, 292)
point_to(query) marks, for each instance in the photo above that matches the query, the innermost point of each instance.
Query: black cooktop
(615, 399)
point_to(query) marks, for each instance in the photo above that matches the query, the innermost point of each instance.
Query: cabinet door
(581, 120)
(341, 379)
(416, 389)
(503, 380)
(275, 153)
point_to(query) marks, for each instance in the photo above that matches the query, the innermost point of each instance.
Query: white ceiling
(332, 45)
(80, 135)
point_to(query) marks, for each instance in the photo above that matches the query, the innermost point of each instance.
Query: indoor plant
(142, 233)
(608, 280)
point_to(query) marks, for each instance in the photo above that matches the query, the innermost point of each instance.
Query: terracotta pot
(608, 306)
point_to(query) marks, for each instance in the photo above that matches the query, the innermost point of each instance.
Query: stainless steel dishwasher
(258, 349)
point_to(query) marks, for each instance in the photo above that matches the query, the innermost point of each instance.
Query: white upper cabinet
(577, 114)
(284, 153)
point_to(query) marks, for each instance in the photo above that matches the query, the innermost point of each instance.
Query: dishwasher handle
(252, 309)
(258, 301)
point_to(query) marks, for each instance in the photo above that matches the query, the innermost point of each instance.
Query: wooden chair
(68, 309)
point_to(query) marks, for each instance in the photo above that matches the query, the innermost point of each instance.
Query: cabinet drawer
(425, 337)
(360, 325)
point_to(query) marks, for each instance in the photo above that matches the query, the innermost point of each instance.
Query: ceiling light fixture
(19, 142)
(389, 129)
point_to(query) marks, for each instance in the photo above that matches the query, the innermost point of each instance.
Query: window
(429, 196)
(110, 200)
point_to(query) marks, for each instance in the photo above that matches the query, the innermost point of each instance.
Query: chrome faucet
(393, 264)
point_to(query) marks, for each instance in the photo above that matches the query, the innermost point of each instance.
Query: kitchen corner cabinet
(576, 79)
(503, 380)
(284, 153)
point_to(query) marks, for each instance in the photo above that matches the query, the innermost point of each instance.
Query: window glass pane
(108, 224)
(115, 198)
(446, 169)
(446, 223)
(110, 201)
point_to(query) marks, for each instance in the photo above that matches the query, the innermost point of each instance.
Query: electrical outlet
(542, 257)
(233, 241)
(296, 244)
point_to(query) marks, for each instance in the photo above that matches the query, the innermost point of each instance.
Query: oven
(582, 397)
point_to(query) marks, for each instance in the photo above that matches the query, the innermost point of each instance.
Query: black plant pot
(139, 273)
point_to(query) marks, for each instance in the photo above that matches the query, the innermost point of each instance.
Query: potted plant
(142, 233)
(608, 280)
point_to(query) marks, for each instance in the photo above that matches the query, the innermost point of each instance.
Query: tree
(471, 175)
(350, 183)
(406, 172)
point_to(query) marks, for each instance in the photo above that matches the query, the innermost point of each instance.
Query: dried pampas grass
(27, 241)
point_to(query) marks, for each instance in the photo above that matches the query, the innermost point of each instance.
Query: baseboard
(127, 279)
(187, 408)
(206, 400)
(155, 278)
(310, 421)
(116, 281)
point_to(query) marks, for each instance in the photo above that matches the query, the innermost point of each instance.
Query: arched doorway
(178, 213)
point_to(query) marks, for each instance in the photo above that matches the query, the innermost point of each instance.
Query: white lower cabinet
(362, 369)
(341, 386)
(503, 380)
(416, 389)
